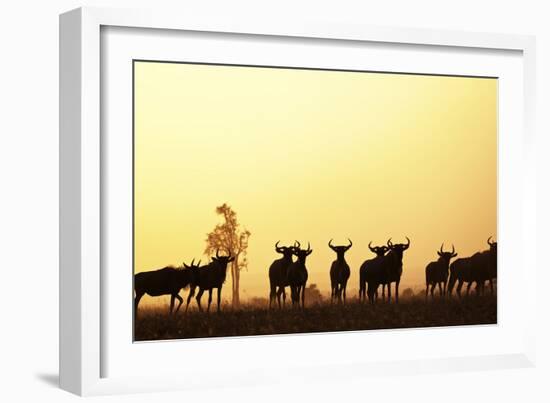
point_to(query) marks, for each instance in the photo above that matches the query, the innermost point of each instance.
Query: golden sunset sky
(312, 155)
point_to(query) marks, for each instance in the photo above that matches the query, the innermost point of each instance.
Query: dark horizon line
(263, 66)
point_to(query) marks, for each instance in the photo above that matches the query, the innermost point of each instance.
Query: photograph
(274, 200)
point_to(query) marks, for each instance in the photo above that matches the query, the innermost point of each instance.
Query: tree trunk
(235, 274)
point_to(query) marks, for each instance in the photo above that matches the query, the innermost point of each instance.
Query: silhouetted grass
(156, 324)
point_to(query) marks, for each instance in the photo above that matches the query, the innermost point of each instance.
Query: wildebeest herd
(382, 270)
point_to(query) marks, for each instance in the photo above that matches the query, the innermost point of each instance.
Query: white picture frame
(83, 299)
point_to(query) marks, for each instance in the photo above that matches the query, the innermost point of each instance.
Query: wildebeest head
(340, 250)
(286, 251)
(399, 247)
(378, 250)
(192, 265)
(222, 260)
(446, 255)
(492, 245)
(193, 269)
(301, 254)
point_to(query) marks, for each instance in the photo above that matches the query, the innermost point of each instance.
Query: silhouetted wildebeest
(380, 251)
(478, 268)
(438, 272)
(387, 270)
(278, 271)
(209, 277)
(297, 274)
(339, 272)
(461, 271)
(486, 265)
(166, 281)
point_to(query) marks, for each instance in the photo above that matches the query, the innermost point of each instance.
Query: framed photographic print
(250, 189)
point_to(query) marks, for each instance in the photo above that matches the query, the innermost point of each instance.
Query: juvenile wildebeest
(437, 272)
(278, 274)
(367, 265)
(478, 268)
(339, 272)
(166, 281)
(297, 275)
(209, 277)
(387, 270)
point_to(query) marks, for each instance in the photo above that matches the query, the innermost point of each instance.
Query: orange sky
(312, 155)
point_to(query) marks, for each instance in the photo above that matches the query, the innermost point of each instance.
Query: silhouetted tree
(229, 237)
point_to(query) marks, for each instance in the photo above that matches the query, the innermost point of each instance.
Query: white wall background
(29, 201)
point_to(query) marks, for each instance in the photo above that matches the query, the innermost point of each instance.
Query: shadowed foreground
(156, 324)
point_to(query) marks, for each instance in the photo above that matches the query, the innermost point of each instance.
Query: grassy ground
(156, 324)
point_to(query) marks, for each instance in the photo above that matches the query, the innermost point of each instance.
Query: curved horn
(370, 247)
(453, 249)
(441, 249)
(297, 244)
(217, 253)
(330, 244)
(192, 262)
(408, 243)
(308, 247)
(389, 243)
(489, 241)
(350, 244)
(277, 247)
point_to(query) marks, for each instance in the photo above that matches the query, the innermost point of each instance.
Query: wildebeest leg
(180, 300)
(389, 291)
(480, 288)
(440, 289)
(303, 295)
(491, 286)
(344, 292)
(397, 292)
(432, 290)
(383, 292)
(136, 302)
(272, 294)
(459, 288)
(278, 296)
(282, 292)
(444, 288)
(427, 290)
(468, 288)
(371, 290)
(209, 299)
(191, 294)
(219, 297)
(199, 295)
(172, 297)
